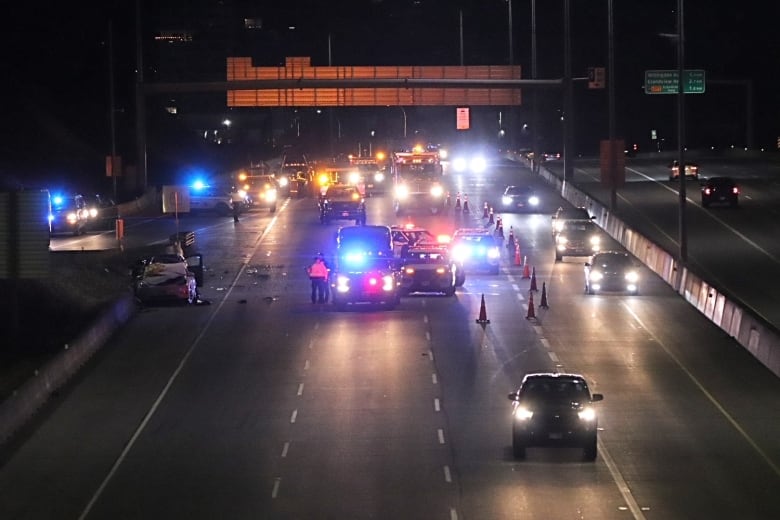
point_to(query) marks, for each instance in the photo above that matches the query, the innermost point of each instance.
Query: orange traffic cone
(533, 279)
(543, 302)
(482, 312)
(485, 211)
(518, 261)
(531, 312)
(526, 271)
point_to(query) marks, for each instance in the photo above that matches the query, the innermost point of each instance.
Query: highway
(262, 405)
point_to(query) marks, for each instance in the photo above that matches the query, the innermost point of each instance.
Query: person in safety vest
(318, 274)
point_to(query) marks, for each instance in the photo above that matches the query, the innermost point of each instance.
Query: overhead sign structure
(301, 69)
(667, 81)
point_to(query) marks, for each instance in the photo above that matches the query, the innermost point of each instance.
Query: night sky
(55, 55)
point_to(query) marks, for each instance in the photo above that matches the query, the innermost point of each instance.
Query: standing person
(236, 202)
(318, 274)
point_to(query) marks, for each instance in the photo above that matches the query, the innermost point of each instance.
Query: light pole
(404, 111)
(511, 50)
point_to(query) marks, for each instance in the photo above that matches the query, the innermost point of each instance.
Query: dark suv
(720, 190)
(554, 409)
(342, 202)
(69, 214)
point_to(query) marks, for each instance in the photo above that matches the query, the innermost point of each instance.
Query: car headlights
(437, 191)
(388, 284)
(533, 200)
(354, 178)
(478, 164)
(459, 164)
(283, 181)
(401, 191)
(595, 276)
(342, 284)
(493, 253)
(379, 177)
(632, 277)
(506, 201)
(595, 240)
(523, 414)
(587, 414)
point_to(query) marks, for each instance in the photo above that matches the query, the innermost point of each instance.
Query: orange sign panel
(301, 68)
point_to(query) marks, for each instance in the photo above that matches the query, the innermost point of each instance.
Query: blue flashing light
(355, 258)
(199, 184)
(58, 200)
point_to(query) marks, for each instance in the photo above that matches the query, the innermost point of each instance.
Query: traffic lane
(74, 440)
(219, 430)
(479, 367)
(668, 398)
(367, 439)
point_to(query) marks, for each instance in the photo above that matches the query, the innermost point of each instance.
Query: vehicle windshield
(517, 190)
(566, 390)
(611, 261)
(342, 193)
(579, 226)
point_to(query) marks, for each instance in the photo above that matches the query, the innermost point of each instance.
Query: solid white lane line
(711, 398)
(285, 449)
(294, 416)
(300, 389)
(622, 485)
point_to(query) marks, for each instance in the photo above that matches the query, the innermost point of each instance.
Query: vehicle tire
(450, 291)
(518, 449)
(272, 209)
(590, 449)
(558, 257)
(460, 280)
(588, 290)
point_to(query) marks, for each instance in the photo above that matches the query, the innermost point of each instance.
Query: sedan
(720, 190)
(611, 271)
(554, 409)
(168, 278)
(519, 198)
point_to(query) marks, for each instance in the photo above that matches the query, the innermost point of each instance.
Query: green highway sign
(666, 82)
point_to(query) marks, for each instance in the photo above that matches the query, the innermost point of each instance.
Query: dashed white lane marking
(447, 476)
(294, 416)
(428, 336)
(275, 491)
(440, 433)
(300, 389)
(520, 297)
(453, 514)
(306, 365)
(285, 449)
(436, 405)
(516, 287)
(545, 343)
(317, 325)
(538, 330)
(311, 344)
(554, 357)
(425, 318)
(430, 354)
(434, 379)
(510, 278)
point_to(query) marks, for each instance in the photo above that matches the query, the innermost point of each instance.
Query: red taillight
(735, 190)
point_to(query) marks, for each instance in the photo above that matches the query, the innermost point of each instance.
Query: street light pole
(681, 129)
(404, 111)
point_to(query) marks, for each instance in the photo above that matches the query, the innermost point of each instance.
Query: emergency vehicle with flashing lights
(366, 271)
(418, 182)
(373, 172)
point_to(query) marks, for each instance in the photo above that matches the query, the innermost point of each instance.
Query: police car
(476, 248)
(430, 269)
